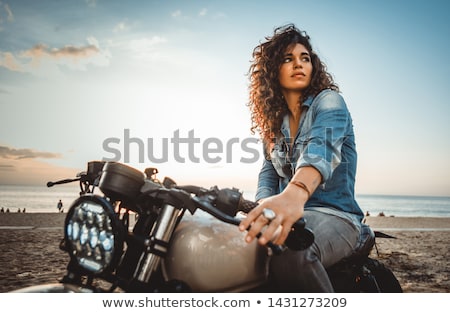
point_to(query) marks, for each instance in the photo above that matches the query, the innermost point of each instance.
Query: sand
(419, 256)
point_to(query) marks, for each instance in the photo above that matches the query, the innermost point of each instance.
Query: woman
(310, 160)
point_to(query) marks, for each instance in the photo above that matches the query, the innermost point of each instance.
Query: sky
(164, 84)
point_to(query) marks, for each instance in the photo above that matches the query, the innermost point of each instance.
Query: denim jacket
(324, 140)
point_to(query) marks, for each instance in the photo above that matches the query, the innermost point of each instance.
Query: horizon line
(250, 191)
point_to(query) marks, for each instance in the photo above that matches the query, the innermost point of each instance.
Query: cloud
(120, 27)
(7, 168)
(146, 43)
(91, 3)
(32, 172)
(144, 48)
(9, 61)
(9, 14)
(203, 13)
(6, 13)
(28, 167)
(18, 154)
(74, 57)
(176, 14)
(123, 26)
(69, 52)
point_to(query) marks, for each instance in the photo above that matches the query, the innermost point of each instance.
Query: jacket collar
(285, 124)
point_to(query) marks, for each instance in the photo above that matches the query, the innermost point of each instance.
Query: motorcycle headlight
(93, 234)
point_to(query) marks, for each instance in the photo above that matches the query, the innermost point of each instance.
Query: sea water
(41, 199)
(37, 199)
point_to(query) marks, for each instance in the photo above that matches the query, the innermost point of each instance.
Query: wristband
(301, 185)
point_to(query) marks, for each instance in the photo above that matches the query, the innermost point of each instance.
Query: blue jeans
(305, 271)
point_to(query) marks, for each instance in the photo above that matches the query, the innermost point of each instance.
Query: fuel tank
(212, 256)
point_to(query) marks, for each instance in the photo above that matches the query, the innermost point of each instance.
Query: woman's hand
(288, 207)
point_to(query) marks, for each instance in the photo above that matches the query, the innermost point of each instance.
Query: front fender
(53, 288)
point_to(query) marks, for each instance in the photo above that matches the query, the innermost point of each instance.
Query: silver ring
(269, 214)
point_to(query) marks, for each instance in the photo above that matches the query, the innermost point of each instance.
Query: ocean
(40, 199)
(37, 199)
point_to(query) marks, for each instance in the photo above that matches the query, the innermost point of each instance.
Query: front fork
(157, 244)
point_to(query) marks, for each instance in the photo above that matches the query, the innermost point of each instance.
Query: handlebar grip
(246, 205)
(299, 238)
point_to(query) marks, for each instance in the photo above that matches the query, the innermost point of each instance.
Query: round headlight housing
(93, 234)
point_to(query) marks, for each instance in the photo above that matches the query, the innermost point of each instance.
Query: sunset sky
(79, 77)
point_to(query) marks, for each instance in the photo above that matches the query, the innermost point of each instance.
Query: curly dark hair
(266, 102)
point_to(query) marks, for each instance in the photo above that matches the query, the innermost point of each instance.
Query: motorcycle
(182, 239)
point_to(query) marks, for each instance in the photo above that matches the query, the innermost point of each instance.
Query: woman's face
(296, 69)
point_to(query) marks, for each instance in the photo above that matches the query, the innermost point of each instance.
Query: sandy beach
(419, 256)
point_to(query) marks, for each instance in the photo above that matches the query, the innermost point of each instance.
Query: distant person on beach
(310, 160)
(3, 210)
(60, 206)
